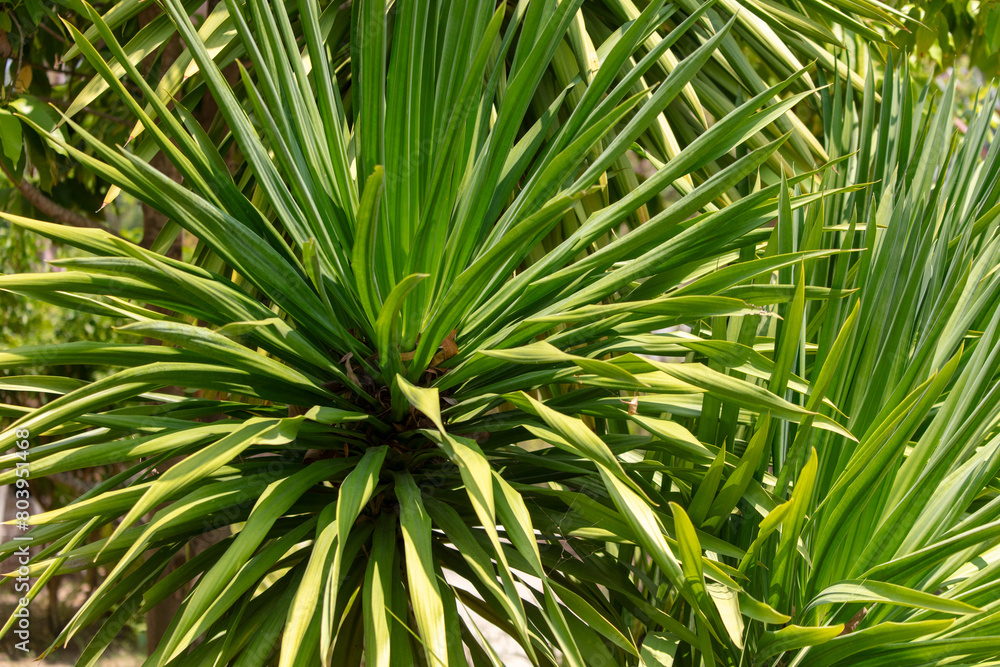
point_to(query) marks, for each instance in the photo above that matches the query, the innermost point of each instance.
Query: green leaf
(793, 637)
(878, 591)
(791, 528)
(736, 483)
(868, 639)
(659, 648)
(425, 593)
(10, 139)
(362, 255)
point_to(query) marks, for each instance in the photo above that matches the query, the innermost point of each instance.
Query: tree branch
(57, 213)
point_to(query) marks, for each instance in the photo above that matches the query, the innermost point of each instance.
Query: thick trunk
(152, 220)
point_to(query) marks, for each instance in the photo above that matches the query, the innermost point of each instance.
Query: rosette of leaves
(404, 359)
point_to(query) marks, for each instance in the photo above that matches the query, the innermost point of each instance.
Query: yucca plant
(343, 323)
(412, 371)
(890, 554)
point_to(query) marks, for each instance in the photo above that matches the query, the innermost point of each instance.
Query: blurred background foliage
(945, 32)
(36, 82)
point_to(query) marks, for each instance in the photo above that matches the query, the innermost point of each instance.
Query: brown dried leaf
(850, 626)
(448, 350)
(346, 360)
(23, 80)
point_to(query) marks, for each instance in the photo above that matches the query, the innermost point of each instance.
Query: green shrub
(421, 343)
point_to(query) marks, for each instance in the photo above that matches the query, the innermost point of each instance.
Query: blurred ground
(113, 660)
(46, 621)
